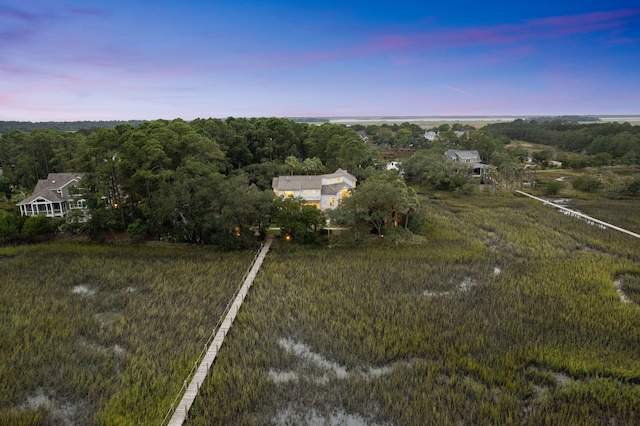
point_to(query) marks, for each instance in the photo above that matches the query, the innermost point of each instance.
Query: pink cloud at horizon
(521, 37)
(131, 59)
(528, 31)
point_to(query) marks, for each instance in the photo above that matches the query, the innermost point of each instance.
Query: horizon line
(352, 117)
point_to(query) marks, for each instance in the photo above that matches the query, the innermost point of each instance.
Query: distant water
(508, 118)
(428, 118)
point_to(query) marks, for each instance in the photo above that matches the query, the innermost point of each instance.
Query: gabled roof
(47, 188)
(463, 155)
(296, 182)
(301, 182)
(340, 173)
(332, 189)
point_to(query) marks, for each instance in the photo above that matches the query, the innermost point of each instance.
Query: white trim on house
(323, 191)
(51, 196)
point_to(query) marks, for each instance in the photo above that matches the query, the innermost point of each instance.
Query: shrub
(8, 225)
(137, 231)
(552, 188)
(587, 183)
(35, 226)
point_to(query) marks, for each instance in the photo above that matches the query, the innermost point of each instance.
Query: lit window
(332, 202)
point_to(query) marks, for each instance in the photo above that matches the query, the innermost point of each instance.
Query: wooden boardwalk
(582, 215)
(182, 409)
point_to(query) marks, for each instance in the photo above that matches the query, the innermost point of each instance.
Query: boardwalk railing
(209, 341)
(582, 215)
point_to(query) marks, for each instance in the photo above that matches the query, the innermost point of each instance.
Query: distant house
(52, 197)
(323, 191)
(430, 135)
(470, 157)
(458, 156)
(393, 165)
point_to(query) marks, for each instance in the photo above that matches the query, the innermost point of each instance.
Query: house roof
(340, 173)
(301, 182)
(295, 182)
(463, 155)
(332, 189)
(47, 188)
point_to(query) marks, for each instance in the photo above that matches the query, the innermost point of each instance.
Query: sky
(69, 60)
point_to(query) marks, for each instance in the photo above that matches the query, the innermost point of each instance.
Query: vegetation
(507, 314)
(208, 181)
(197, 182)
(624, 213)
(383, 202)
(67, 126)
(614, 141)
(297, 220)
(501, 311)
(105, 334)
(430, 168)
(505, 311)
(553, 187)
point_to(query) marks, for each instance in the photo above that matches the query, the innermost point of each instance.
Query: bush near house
(40, 226)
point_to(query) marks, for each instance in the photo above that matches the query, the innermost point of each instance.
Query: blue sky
(94, 60)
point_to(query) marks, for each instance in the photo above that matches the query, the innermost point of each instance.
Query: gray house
(51, 197)
(323, 191)
(469, 157)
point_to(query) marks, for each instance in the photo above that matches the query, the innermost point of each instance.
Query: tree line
(584, 147)
(204, 181)
(208, 181)
(67, 126)
(620, 141)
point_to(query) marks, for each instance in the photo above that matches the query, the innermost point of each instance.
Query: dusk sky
(68, 60)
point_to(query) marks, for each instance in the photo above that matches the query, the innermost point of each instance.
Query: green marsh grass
(507, 314)
(109, 332)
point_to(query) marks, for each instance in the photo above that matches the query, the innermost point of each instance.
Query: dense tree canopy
(614, 138)
(382, 200)
(208, 181)
(297, 220)
(205, 181)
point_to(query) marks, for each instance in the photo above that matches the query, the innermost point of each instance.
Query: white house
(393, 165)
(51, 197)
(323, 191)
(430, 135)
